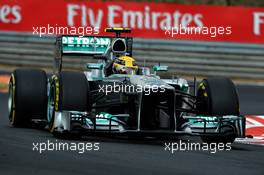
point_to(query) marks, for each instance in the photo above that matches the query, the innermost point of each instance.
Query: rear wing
(90, 45)
(84, 45)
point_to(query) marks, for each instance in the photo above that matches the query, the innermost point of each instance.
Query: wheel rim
(51, 103)
(10, 101)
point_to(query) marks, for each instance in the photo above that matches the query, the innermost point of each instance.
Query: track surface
(123, 156)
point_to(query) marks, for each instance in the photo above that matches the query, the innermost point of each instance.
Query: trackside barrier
(244, 61)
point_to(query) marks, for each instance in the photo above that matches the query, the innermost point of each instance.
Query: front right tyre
(69, 91)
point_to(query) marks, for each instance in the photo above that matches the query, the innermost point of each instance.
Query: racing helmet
(124, 65)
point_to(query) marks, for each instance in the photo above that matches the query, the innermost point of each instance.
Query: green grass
(3, 87)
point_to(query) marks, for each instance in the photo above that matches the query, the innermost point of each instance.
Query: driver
(124, 65)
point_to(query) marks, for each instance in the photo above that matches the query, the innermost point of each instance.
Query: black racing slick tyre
(69, 91)
(27, 97)
(217, 96)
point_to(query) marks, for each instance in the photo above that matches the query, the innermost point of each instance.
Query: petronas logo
(91, 41)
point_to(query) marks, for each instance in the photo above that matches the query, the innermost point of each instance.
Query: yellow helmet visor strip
(128, 62)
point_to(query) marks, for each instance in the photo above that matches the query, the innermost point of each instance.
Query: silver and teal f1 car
(100, 102)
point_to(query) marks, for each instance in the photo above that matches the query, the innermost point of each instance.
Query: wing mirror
(98, 66)
(159, 68)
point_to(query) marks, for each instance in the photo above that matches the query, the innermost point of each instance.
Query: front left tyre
(27, 99)
(217, 96)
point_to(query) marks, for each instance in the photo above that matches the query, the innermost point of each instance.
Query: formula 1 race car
(116, 96)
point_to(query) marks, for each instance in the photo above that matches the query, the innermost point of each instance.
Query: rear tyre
(69, 91)
(27, 97)
(217, 96)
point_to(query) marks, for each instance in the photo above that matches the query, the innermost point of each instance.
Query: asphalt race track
(124, 156)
